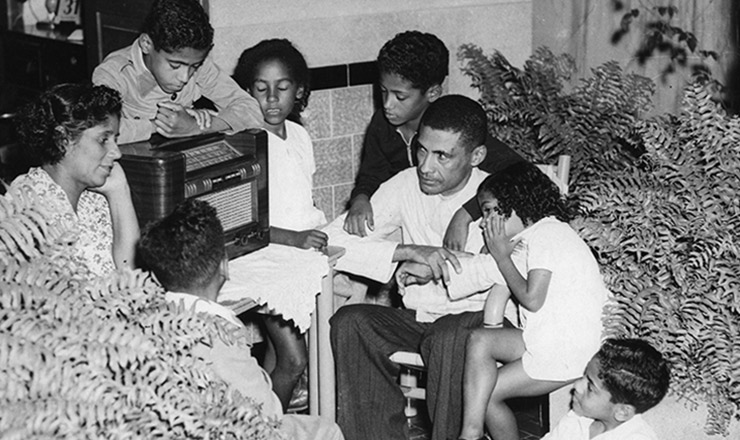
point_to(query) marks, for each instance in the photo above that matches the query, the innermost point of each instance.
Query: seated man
(419, 201)
(186, 253)
(166, 70)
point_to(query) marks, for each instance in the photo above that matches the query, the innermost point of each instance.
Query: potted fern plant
(658, 202)
(86, 357)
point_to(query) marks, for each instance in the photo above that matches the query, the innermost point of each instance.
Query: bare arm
(496, 305)
(123, 217)
(456, 235)
(434, 257)
(307, 239)
(530, 292)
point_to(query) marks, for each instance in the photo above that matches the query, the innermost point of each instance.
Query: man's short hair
(633, 372)
(457, 114)
(185, 249)
(178, 24)
(420, 58)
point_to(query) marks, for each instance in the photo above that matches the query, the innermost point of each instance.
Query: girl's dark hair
(278, 49)
(523, 188)
(59, 116)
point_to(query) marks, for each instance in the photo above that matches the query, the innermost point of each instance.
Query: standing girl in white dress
(275, 73)
(553, 276)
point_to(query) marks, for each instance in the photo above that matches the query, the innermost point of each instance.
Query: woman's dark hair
(58, 117)
(277, 49)
(523, 188)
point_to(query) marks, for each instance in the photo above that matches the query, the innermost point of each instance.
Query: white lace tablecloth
(284, 279)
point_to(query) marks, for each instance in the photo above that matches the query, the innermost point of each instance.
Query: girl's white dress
(290, 168)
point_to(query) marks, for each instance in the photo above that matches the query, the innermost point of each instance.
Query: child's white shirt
(291, 166)
(575, 427)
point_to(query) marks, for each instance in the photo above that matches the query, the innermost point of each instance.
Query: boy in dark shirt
(412, 66)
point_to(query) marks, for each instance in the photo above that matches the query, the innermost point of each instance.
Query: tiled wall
(336, 118)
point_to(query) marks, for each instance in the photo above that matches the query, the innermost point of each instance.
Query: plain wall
(332, 32)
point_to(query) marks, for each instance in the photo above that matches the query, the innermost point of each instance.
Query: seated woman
(71, 130)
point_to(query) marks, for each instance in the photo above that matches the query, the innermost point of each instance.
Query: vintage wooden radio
(229, 172)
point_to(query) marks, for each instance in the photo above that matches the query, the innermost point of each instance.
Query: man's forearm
(479, 272)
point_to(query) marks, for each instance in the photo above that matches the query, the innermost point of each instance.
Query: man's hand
(456, 236)
(174, 120)
(410, 273)
(434, 257)
(310, 238)
(499, 245)
(360, 213)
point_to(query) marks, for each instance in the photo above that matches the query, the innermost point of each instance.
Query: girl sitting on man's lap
(551, 273)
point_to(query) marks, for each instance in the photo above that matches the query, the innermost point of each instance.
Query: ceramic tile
(323, 198)
(317, 116)
(333, 161)
(356, 153)
(352, 108)
(341, 197)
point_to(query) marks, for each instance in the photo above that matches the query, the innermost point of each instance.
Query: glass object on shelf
(52, 6)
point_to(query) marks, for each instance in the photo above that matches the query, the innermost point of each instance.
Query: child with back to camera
(552, 274)
(625, 378)
(276, 74)
(186, 253)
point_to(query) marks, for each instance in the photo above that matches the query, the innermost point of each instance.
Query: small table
(255, 276)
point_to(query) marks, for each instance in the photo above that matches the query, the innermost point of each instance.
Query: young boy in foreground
(625, 378)
(166, 70)
(186, 253)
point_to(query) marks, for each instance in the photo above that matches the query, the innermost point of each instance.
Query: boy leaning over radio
(166, 70)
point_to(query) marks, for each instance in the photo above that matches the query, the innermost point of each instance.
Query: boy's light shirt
(124, 70)
(575, 427)
(203, 305)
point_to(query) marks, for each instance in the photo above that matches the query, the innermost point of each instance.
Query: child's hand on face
(498, 242)
(174, 120)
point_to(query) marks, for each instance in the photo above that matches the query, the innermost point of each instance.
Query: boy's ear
(624, 412)
(434, 92)
(146, 43)
(299, 93)
(479, 153)
(224, 269)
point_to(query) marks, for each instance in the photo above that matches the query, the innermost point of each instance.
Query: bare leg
(512, 382)
(485, 347)
(291, 357)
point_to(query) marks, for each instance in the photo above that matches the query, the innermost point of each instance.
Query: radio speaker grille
(235, 206)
